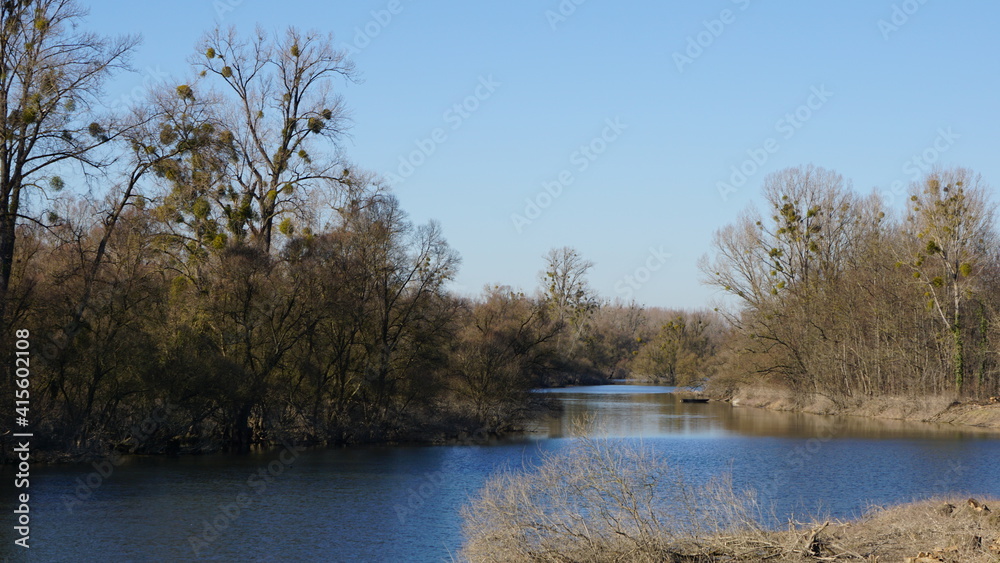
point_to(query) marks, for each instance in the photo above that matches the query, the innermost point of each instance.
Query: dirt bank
(938, 409)
(952, 531)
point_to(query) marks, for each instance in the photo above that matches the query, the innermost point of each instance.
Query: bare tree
(500, 344)
(284, 118)
(50, 76)
(952, 226)
(565, 288)
(787, 270)
(812, 224)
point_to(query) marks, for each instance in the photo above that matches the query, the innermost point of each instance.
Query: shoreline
(439, 434)
(946, 529)
(976, 415)
(940, 529)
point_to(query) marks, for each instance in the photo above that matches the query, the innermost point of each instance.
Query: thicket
(209, 252)
(837, 294)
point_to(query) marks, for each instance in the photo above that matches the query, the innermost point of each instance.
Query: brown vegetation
(608, 501)
(973, 413)
(939, 530)
(221, 255)
(223, 261)
(605, 500)
(839, 297)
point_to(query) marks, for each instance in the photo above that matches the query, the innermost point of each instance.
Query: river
(402, 503)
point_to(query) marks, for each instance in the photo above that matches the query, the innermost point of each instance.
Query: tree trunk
(241, 429)
(959, 358)
(7, 224)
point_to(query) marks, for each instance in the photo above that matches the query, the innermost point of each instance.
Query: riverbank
(950, 530)
(935, 409)
(953, 530)
(432, 429)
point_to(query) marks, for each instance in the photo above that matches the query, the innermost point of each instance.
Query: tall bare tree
(952, 222)
(50, 76)
(565, 286)
(285, 119)
(778, 266)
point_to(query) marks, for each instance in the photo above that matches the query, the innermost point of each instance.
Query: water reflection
(801, 464)
(651, 411)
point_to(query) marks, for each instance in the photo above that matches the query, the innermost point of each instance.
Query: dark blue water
(403, 503)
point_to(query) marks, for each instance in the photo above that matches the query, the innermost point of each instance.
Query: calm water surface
(402, 503)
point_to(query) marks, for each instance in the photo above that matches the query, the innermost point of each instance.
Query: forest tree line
(840, 295)
(211, 253)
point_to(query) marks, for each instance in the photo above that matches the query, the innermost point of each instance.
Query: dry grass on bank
(603, 500)
(953, 530)
(609, 501)
(933, 408)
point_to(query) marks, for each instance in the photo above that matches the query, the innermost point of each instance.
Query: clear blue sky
(557, 81)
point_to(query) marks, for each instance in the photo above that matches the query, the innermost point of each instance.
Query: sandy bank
(937, 409)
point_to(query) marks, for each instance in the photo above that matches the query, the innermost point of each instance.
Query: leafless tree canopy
(838, 296)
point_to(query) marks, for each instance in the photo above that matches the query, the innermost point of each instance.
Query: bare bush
(604, 500)
(609, 500)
